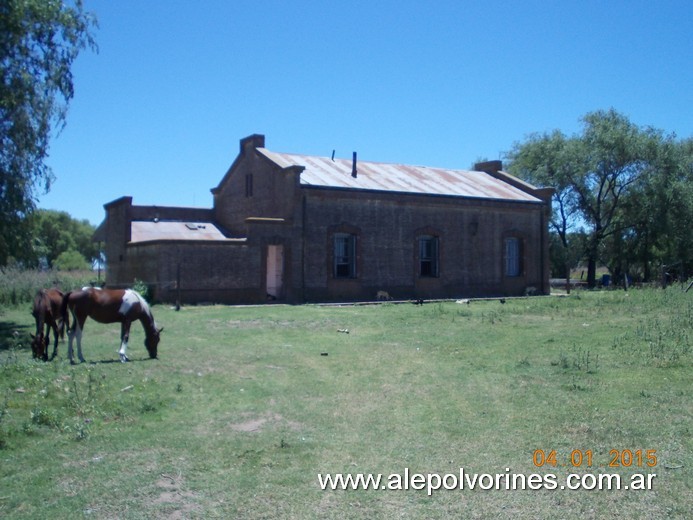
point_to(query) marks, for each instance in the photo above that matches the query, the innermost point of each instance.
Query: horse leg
(79, 343)
(70, 338)
(55, 344)
(124, 336)
(38, 342)
(46, 342)
(75, 332)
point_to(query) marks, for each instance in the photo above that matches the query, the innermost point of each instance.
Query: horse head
(39, 346)
(152, 341)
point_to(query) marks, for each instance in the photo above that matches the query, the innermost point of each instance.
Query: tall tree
(658, 213)
(39, 41)
(615, 155)
(594, 172)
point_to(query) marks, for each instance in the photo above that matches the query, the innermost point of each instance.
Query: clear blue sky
(159, 111)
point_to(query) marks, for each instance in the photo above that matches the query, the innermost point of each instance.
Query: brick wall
(118, 217)
(208, 272)
(471, 245)
(254, 187)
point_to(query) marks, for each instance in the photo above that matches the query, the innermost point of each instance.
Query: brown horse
(110, 306)
(46, 312)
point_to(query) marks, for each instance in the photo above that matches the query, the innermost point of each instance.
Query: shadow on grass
(14, 335)
(117, 360)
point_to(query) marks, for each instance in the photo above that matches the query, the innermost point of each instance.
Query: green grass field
(247, 405)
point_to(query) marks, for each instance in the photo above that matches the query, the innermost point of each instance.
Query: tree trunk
(567, 277)
(592, 270)
(592, 255)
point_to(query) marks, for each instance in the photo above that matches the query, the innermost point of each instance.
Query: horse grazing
(46, 312)
(110, 306)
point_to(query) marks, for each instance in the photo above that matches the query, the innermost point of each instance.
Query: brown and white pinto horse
(110, 306)
(47, 314)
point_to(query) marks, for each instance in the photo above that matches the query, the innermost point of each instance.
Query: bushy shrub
(142, 288)
(71, 261)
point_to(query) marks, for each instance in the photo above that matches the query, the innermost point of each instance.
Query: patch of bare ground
(257, 423)
(173, 501)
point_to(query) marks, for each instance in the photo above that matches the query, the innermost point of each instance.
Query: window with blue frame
(513, 264)
(428, 256)
(344, 255)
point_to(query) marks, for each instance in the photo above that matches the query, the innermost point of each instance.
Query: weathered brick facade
(289, 239)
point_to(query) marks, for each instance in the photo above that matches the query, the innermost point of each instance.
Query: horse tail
(65, 315)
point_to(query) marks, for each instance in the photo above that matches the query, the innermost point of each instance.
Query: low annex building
(300, 228)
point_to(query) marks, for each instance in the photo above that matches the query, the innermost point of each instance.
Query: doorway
(275, 271)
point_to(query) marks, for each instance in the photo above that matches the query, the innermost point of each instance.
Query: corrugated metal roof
(325, 172)
(146, 231)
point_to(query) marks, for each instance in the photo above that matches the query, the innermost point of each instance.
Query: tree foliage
(628, 187)
(56, 233)
(70, 261)
(39, 41)
(657, 216)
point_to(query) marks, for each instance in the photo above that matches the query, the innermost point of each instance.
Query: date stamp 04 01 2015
(585, 458)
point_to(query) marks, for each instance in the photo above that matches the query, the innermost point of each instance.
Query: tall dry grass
(18, 286)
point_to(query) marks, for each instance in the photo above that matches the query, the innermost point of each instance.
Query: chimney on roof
(489, 166)
(252, 141)
(354, 171)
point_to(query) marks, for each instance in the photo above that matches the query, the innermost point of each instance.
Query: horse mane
(147, 318)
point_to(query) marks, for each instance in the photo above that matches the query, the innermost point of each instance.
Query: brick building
(300, 228)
